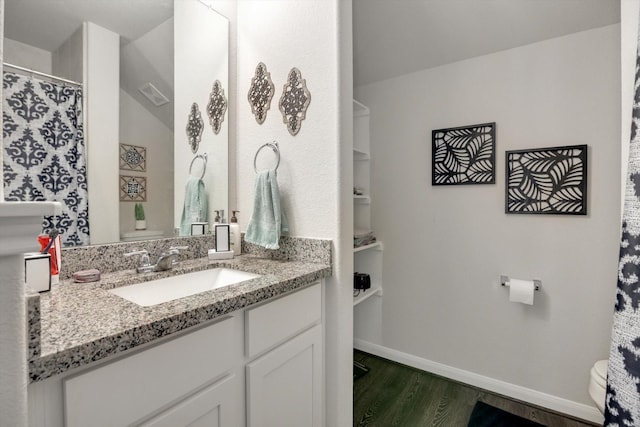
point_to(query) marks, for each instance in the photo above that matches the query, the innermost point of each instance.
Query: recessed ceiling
(392, 38)
(48, 23)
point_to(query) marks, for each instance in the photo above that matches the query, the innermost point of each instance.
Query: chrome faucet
(145, 264)
(166, 261)
(169, 259)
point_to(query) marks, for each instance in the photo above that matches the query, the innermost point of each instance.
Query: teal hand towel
(268, 218)
(195, 205)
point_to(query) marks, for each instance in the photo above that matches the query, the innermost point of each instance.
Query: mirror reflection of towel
(195, 205)
(268, 218)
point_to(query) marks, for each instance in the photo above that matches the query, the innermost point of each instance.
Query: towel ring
(274, 146)
(204, 166)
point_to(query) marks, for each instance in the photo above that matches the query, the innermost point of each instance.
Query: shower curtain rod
(41, 74)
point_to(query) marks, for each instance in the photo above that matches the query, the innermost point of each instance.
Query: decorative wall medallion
(464, 155)
(260, 92)
(195, 125)
(133, 158)
(294, 101)
(547, 181)
(133, 188)
(217, 106)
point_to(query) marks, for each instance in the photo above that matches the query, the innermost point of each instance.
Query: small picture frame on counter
(199, 228)
(37, 271)
(223, 241)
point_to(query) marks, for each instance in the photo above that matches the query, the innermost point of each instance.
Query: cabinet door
(152, 379)
(284, 387)
(213, 406)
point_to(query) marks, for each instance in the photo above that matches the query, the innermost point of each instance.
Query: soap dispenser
(216, 220)
(234, 231)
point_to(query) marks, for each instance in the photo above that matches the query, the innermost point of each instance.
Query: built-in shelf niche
(367, 258)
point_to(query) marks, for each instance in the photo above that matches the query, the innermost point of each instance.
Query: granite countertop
(83, 323)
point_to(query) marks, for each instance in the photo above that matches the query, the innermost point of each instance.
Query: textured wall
(628, 48)
(200, 37)
(445, 247)
(139, 127)
(286, 34)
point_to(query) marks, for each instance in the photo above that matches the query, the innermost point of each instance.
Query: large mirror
(141, 66)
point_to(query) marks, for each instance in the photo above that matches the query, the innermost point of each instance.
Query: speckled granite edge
(32, 302)
(82, 323)
(116, 271)
(110, 257)
(59, 362)
(293, 248)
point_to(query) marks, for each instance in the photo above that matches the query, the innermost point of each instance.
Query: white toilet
(598, 383)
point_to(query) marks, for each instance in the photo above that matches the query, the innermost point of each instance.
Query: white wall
(445, 247)
(629, 21)
(285, 34)
(101, 79)
(24, 55)
(139, 127)
(199, 34)
(148, 60)
(67, 60)
(229, 10)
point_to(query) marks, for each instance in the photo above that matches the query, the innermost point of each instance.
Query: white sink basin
(174, 287)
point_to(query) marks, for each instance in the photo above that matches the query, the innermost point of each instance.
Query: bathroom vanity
(246, 354)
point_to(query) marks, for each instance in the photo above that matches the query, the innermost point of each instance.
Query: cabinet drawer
(124, 391)
(276, 321)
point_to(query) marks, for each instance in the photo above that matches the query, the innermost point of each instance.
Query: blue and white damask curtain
(623, 378)
(44, 151)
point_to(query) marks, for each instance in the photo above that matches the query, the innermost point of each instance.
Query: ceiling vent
(152, 93)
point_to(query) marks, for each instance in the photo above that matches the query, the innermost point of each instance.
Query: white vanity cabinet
(285, 383)
(214, 406)
(262, 366)
(163, 379)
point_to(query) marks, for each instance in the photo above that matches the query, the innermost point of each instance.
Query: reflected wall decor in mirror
(139, 66)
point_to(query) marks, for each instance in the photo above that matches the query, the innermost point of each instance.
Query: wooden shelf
(376, 289)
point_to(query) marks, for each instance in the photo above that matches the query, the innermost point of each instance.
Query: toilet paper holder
(504, 281)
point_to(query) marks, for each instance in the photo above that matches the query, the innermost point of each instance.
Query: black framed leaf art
(547, 181)
(464, 155)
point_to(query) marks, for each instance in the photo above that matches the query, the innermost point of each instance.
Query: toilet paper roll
(521, 291)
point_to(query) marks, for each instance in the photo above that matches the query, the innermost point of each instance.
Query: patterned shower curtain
(44, 151)
(623, 379)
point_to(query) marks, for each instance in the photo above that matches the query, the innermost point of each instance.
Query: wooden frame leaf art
(133, 188)
(464, 155)
(547, 181)
(133, 158)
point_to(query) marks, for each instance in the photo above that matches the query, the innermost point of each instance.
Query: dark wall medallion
(294, 101)
(195, 124)
(464, 155)
(547, 181)
(260, 93)
(216, 107)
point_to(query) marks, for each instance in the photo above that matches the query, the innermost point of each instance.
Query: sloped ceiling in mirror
(131, 19)
(148, 60)
(144, 26)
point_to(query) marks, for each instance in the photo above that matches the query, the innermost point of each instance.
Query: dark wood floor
(391, 394)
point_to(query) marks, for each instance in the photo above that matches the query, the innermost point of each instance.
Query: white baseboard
(554, 403)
